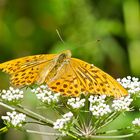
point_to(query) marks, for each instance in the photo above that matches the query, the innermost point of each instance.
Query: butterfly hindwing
(98, 81)
(66, 82)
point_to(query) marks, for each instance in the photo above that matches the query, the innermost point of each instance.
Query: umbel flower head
(132, 84)
(63, 123)
(14, 119)
(122, 104)
(45, 95)
(11, 95)
(98, 107)
(76, 103)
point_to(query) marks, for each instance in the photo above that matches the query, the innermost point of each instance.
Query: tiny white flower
(4, 91)
(68, 115)
(33, 90)
(136, 122)
(11, 88)
(7, 118)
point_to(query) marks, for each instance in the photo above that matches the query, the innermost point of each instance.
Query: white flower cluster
(62, 123)
(14, 119)
(76, 103)
(98, 106)
(11, 95)
(136, 122)
(45, 95)
(122, 104)
(132, 84)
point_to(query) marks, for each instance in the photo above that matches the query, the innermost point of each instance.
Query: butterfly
(63, 74)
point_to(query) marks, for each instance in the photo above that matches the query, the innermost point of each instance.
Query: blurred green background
(105, 33)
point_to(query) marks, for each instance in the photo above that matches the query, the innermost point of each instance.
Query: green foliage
(29, 27)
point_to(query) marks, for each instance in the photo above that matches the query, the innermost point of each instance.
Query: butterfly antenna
(98, 41)
(59, 36)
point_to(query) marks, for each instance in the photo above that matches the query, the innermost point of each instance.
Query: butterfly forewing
(26, 71)
(19, 64)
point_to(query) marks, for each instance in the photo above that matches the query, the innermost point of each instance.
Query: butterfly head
(65, 55)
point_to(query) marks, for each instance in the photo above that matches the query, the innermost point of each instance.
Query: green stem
(3, 129)
(35, 114)
(51, 134)
(113, 137)
(109, 120)
(36, 122)
(37, 119)
(7, 106)
(113, 131)
(97, 122)
(30, 114)
(44, 133)
(71, 135)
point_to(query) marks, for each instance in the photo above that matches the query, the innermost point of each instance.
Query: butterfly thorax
(58, 63)
(64, 56)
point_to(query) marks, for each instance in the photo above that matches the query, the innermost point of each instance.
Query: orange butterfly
(69, 76)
